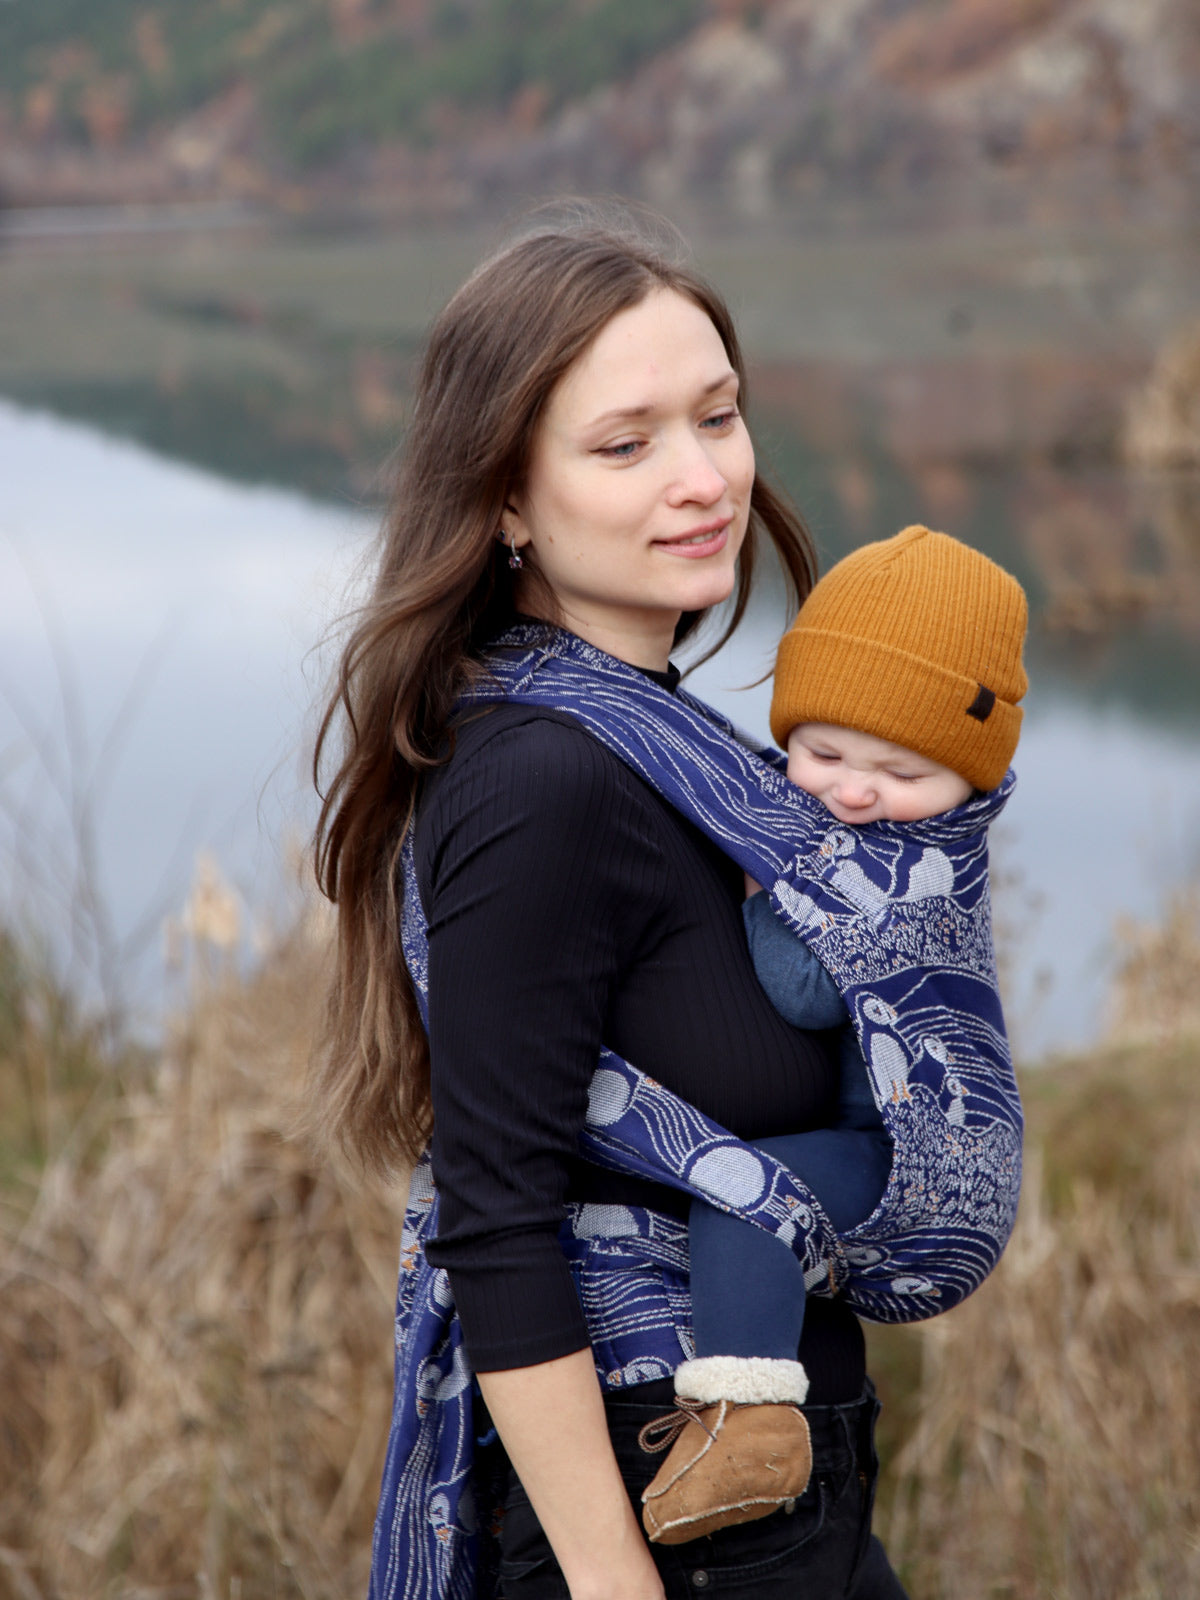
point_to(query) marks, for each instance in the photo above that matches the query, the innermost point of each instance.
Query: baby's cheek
(904, 804)
(800, 773)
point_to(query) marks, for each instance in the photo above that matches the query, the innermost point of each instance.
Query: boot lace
(663, 1431)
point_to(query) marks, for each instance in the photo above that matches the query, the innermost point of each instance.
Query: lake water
(159, 632)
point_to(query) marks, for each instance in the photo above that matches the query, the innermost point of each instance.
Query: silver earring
(514, 555)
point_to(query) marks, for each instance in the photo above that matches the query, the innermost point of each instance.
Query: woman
(577, 454)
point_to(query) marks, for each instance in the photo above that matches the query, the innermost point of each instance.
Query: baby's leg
(739, 1442)
(747, 1288)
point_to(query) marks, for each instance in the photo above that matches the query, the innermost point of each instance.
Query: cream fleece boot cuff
(747, 1380)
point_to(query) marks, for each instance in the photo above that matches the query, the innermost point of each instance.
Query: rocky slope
(875, 96)
(735, 106)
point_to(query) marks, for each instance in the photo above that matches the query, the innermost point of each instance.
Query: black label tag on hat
(981, 707)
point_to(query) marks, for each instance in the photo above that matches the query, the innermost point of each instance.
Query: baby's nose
(856, 791)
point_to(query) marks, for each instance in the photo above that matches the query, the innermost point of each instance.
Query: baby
(895, 697)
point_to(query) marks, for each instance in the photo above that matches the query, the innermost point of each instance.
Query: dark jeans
(748, 1288)
(823, 1550)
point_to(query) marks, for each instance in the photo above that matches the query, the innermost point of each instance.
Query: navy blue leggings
(747, 1288)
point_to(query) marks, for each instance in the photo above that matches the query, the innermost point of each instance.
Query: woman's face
(638, 492)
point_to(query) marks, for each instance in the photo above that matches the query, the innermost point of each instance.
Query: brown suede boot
(732, 1459)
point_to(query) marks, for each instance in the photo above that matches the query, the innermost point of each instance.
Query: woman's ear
(516, 530)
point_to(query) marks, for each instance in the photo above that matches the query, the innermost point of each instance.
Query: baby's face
(864, 779)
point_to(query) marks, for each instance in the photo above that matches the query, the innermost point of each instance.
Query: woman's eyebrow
(620, 412)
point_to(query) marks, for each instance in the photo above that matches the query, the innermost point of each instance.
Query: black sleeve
(538, 879)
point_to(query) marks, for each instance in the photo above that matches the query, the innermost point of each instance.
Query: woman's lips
(699, 542)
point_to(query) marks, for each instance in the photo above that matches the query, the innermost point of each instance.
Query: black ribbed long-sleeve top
(570, 906)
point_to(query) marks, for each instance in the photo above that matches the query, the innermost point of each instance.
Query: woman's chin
(706, 589)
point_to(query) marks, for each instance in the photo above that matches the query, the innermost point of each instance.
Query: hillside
(323, 78)
(728, 104)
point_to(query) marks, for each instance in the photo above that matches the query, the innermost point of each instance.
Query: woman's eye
(619, 452)
(720, 421)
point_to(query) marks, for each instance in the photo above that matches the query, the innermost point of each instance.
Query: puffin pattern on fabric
(899, 914)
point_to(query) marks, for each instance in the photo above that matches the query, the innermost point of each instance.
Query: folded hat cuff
(849, 682)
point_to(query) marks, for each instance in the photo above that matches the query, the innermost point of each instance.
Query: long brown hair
(442, 589)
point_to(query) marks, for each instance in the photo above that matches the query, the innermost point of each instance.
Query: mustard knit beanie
(917, 640)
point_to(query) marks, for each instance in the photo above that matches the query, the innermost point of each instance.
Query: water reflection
(157, 630)
(959, 385)
(206, 598)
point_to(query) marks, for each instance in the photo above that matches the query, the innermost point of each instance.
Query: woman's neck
(641, 639)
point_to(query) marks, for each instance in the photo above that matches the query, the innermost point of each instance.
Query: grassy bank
(194, 1319)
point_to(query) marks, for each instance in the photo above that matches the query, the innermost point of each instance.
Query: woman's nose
(697, 477)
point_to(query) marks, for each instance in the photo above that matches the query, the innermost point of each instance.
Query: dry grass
(194, 1326)
(194, 1331)
(1156, 997)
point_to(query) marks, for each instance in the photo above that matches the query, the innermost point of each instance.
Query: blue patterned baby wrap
(900, 916)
